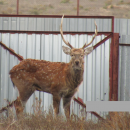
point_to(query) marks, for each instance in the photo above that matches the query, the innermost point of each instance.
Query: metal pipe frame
(113, 68)
(84, 106)
(77, 7)
(113, 61)
(11, 51)
(56, 16)
(17, 7)
(52, 32)
(123, 44)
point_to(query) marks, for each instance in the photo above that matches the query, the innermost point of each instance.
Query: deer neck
(75, 77)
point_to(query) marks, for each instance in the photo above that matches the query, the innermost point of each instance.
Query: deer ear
(66, 50)
(88, 50)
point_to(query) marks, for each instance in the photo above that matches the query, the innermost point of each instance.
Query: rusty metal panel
(95, 86)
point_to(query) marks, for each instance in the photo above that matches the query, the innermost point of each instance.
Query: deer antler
(61, 31)
(85, 45)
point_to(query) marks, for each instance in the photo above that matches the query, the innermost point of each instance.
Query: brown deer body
(57, 78)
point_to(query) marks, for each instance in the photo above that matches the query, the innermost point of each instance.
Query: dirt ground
(117, 8)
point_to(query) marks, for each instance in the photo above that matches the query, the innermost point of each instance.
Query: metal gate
(101, 66)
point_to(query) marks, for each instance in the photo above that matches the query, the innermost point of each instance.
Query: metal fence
(122, 26)
(124, 69)
(48, 47)
(98, 65)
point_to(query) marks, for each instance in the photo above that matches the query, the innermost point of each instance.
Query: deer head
(77, 55)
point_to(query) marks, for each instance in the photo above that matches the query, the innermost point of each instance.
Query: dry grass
(48, 122)
(65, 1)
(108, 4)
(45, 121)
(117, 8)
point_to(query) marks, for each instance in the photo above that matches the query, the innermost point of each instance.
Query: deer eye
(72, 55)
(81, 55)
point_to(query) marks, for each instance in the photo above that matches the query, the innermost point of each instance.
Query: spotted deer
(57, 78)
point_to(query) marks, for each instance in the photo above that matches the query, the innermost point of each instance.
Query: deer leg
(20, 102)
(56, 103)
(66, 105)
(19, 107)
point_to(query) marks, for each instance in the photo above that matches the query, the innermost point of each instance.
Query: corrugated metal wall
(124, 73)
(53, 24)
(48, 47)
(121, 26)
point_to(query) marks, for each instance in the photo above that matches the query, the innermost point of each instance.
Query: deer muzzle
(77, 63)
